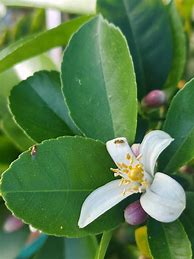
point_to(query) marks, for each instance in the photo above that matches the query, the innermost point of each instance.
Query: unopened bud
(134, 214)
(12, 224)
(154, 99)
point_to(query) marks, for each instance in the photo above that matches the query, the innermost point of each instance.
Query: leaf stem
(104, 242)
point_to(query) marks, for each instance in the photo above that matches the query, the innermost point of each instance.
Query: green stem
(104, 242)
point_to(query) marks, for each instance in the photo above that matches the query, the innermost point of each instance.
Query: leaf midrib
(102, 70)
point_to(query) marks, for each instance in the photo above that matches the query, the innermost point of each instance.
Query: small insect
(119, 141)
(33, 150)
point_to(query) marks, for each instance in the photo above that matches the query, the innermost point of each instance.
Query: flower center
(132, 173)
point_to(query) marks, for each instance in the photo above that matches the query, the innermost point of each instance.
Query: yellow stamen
(114, 170)
(124, 165)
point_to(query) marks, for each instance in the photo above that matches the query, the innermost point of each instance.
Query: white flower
(163, 198)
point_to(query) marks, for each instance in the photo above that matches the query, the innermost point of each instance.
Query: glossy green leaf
(147, 29)
(187, 218)
(38, 106)
(9, 79)
(64, 248)
(47, 189)
(76, 6)
(99, 82)
(168, 240)
(180, 125)
(179, 48)
(25, 48)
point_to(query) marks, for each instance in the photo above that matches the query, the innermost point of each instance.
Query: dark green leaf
(147, 29)
(99, 82)
(187, 218)
(47, 189)
(25, 48)
(179, 48)
(180, 125)
(168, 240)
(9, 79)
(38, 106)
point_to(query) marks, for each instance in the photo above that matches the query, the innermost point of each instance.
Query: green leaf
(180, 125)
(179, 48)
(64, 248)
(99, 82)
(168, 240)
(38, 106)
(187, 218)
(147, 29)
(47, 189)
(24, 48)
(9, 79)
(76, 6)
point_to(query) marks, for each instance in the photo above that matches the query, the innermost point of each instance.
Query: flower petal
(135, 148)
(119, 149)
(165, 200)
(152, 146)
(101, 200)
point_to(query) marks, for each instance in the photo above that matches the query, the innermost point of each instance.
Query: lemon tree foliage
(61, 117)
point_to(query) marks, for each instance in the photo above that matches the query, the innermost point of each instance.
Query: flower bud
(12, 224)
(154, 99)
(134, 214)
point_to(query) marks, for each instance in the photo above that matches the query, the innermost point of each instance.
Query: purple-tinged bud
(12, 224)
(154, 99)
(134, 214)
